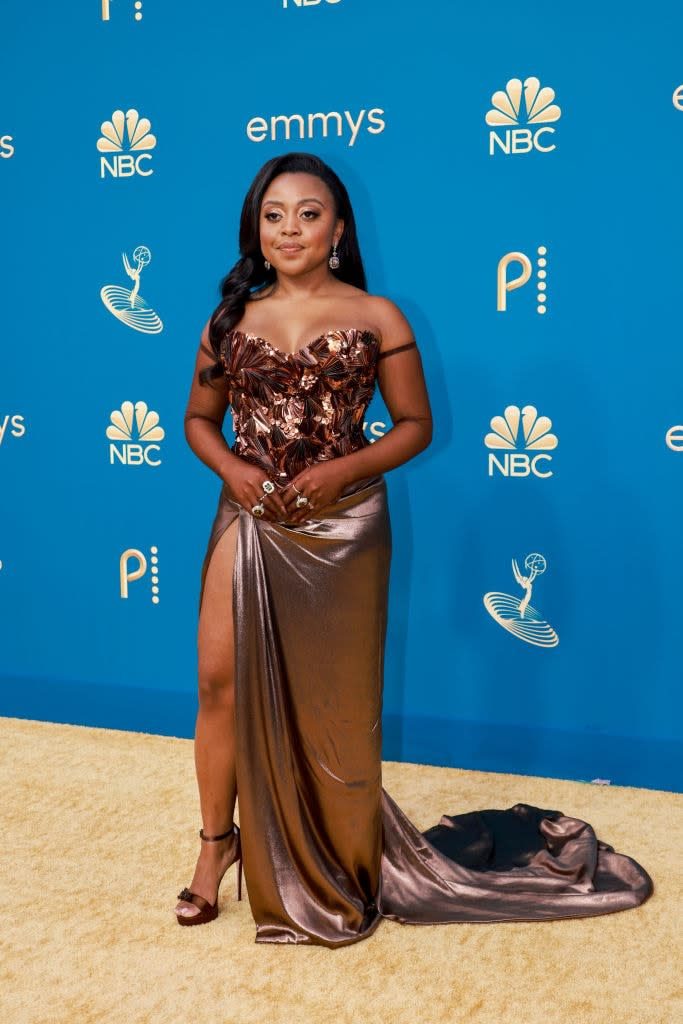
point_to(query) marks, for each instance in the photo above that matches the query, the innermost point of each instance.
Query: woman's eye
(274, 215)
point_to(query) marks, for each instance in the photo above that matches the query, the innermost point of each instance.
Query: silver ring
(301, 501)
(258, 510)
(268, 486)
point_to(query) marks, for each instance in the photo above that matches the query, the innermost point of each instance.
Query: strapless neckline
(304, 348)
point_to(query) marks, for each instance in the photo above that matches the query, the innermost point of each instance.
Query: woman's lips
(291, 248)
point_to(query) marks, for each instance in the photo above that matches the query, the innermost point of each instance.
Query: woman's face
(298, 223)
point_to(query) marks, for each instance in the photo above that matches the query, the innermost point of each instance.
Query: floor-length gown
(327, 852)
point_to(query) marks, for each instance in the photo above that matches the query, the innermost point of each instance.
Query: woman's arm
(205, 413)
(403, 388)
(204, 416)
(402, 385)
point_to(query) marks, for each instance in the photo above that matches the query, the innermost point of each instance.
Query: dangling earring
(334, 259)
(266, 264)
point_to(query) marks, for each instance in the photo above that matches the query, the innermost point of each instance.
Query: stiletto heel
(209, 911)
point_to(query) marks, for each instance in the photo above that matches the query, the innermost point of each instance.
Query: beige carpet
(99, 834)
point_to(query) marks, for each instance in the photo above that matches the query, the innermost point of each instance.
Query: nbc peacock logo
(127, 140)
(507, 116)
(126, 304)
(520, 429)
(133, 433)
(516, 614)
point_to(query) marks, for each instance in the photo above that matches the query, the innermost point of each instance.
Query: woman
(293, 610)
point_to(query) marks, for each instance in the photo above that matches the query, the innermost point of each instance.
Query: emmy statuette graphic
(516, 614)
(126, 304)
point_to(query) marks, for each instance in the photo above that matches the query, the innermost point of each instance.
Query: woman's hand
(322, 484)
(245, 483)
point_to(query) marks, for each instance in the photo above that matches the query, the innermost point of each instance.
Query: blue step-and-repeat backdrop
(515, 174)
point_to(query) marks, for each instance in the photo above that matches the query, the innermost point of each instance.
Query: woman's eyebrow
(278, 202)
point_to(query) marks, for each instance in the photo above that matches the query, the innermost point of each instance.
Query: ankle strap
(224, 835)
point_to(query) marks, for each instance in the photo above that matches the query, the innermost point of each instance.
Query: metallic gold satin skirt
(327, 852)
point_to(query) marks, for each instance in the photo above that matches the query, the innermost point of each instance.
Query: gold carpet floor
(99, 834)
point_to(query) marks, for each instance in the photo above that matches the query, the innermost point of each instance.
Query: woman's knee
(216, 689)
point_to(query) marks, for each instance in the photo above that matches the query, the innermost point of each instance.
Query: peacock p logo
(128, 140)
(520, 429)
(106, 10)
(133, 433)
(518, 105)
(134, 565)
(506, 284)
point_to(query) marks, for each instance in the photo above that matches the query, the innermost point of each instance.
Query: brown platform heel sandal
(209, 911)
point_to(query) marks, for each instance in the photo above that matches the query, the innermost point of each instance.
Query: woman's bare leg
(214, 745)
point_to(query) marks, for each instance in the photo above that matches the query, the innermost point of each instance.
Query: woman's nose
(290, 225)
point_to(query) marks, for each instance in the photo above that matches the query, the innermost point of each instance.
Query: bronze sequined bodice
(291, 410)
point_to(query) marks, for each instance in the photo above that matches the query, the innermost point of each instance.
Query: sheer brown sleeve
(206, 408)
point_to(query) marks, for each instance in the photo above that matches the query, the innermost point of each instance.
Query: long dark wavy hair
(249, 274)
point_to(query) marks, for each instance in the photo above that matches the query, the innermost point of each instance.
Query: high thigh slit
(225, 518)
(327, 852)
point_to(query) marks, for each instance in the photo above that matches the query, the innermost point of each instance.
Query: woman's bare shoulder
(391, 321)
